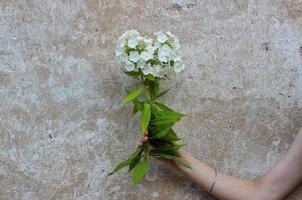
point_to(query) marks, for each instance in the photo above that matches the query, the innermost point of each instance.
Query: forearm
(226, 187)
(286, 175)
(274, 185)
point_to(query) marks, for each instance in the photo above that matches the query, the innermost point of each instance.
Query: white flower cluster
(159, 57)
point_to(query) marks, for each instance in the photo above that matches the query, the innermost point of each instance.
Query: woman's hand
(172, 163)
(144, 139)
(224, 186)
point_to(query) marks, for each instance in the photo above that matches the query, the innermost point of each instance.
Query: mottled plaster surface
(62, 126)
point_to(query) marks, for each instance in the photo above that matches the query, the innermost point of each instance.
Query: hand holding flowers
(151, 60)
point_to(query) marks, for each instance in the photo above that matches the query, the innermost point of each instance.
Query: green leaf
(154, 88)
(170, 114)
(169, 156)
(166, 117)
(137, 105)
(162, 93)
(161, 133)
(136, 153)
(146, 82)
(169, 147)
(120, 166)
(134, 94)
(171, 136)
(150, 77)
(127, 162)
(158, 128)
(155, 129)
(162, 106)
(132, 73)
(134, 162)
(139, 171)
(145, 117)
(154, 111)
(164, 120)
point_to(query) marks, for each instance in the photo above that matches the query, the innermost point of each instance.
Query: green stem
(148, 150)
(151, 102)
(145, 94)
(142, 78)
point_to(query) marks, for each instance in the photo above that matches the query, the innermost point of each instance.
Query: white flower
(132, 42)
(156, 69)
(156, 44)
(130, 33)
(161, 37)
(162, 58)
(148, 41)
(174, 40)
(134, 56)
(176, 44)
(164, 53)
(129, 66)
(141, 64)
(178, 67)
(164, 50)
(120, 47)
(150, 48)
(123, 57)
(118, 52)
(147, 69)
(146, 55)
(177, 59)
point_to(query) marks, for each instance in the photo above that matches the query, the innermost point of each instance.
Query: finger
(140, 143)
(146, 133)
(145, 138)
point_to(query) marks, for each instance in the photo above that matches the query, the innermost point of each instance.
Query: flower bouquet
(151, 60)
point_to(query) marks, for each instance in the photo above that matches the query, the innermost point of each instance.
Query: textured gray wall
(62, 124)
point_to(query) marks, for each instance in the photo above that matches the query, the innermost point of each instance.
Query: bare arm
(285, 175)
(274, 185)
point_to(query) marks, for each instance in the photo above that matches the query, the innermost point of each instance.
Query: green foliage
(167, 117)
(120, 166)
(154, 111)
(169, 147)
(161, 132)
(153, 88)
(132, 73)
(137, 105)
(162, 93)
(139, 171)
(150, 77)
(170, 136)
(127, 162)
(134, 162)
(134, 94)
(145, 117)
(169, 156)
(158, 119)
(161, 106)
(170, 114)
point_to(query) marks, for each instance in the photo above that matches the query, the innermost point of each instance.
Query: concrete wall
(62, 123)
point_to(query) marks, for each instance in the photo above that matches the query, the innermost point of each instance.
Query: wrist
(185, 156)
